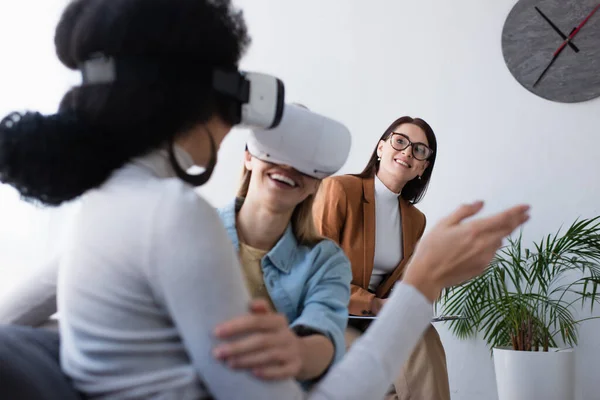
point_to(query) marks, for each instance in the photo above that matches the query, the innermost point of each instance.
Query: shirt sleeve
(196, 277)
(32, 301)
(328, 292)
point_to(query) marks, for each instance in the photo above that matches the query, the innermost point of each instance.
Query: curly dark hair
(99, 128)
(414, 190)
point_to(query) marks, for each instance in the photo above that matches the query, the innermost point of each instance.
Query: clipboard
(443, 318)
(440, 318)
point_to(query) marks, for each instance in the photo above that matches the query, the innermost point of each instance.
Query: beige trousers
(425, 374)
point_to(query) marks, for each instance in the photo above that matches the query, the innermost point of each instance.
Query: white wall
(367, 63)
(31, 78)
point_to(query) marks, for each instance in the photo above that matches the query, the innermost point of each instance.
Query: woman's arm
(195, 275)
(319, 329)
(33, 300)
(276, 352)
(317, 353)
(325, 310)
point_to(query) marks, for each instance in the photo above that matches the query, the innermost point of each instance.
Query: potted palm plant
(524, 305)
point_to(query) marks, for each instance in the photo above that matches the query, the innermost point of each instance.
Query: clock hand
(554, 57)
(564, 44)
(562, 35)
(576, 31)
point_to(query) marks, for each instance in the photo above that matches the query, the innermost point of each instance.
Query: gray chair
(29, 365)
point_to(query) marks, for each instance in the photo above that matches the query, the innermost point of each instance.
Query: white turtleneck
(388, 233)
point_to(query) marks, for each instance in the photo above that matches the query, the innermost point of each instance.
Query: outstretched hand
(456, 250)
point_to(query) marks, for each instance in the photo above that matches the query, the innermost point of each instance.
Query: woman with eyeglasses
(373, 218)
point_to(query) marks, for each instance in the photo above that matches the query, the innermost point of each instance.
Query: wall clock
(552, 48)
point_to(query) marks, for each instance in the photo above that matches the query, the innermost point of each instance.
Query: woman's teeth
(283, 178)
(402, 163)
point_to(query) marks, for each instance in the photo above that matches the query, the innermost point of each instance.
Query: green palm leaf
(520, 299)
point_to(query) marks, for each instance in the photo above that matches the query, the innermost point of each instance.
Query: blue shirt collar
(282, 255)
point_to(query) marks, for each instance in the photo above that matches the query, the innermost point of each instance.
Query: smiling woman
(285, 262)
(283, 190)
(373, 217)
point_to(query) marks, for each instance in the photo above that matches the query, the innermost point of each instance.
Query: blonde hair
(303, 224)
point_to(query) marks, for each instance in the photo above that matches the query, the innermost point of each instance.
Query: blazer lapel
(368, 230)
(408, 231)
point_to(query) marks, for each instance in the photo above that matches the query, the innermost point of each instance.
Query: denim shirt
(310, 285)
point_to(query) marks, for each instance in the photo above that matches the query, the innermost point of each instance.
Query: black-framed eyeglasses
(420, 151)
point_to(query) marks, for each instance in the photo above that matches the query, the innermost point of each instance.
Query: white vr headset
(312, 144)
(257, 99)
(261, 97)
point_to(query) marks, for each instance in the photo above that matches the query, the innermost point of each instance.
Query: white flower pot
(533, 375)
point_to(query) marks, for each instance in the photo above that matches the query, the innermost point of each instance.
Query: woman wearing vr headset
(297, 272)
(373, 217)
(149, 274)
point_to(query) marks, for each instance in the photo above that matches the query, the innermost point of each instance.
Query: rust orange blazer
(344, 211)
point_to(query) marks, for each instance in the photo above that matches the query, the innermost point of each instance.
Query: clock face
(534, 49)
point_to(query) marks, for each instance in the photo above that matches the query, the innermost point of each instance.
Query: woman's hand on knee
(262, 342)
